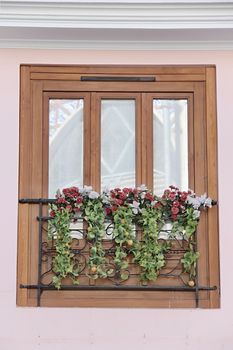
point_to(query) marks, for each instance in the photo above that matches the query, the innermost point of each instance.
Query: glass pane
(170, 146)
(65, 144)
(117, 143)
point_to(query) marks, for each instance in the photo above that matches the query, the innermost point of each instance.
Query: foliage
(127, 209)
(150, 253)
(124, 239)
(189, 262)
(94, 216)
(63, 263)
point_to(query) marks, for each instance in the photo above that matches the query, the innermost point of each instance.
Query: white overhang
(117, 25)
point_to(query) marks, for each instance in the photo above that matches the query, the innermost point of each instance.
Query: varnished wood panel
(24, 183)
(94, 86)
(126, 69)
(77, 76)
(200, 180)
(212, 183)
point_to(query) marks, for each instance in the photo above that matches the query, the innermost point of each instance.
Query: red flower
(176, 204)
(108, 211)
(119, 201)
(183, 196)
(71, 192)
(69, 207)
(174, 217)
(113, 194)
(174, 210)
(149, 196)
(122, 196)
(52, 213)
(172, 195)
(79, 200)
(61, 200)
(158, 205)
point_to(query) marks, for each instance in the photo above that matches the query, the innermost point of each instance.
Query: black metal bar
(118, 79)
(44, 218)
(53, 200)
(36, 200)
(120, 287)
(197, 294)
(39, 290)
(197, 272)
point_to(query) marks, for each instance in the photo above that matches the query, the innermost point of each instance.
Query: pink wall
(47, 329)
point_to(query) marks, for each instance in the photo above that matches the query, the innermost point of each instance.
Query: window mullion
(87, 141)
(147, 140)
(95, 137)
(138, 144)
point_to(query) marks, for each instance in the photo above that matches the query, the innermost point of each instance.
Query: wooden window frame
(39, 83)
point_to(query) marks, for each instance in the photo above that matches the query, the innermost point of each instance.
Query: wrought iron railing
(172, 272)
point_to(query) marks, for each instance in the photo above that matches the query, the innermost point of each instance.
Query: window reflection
(117, 143)
(65, 144)
(170, 144)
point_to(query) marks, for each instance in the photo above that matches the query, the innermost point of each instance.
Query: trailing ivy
(189, 262)
(190, 257)
(124, 237)
(150, 253)
(63, 263)
(95, 218)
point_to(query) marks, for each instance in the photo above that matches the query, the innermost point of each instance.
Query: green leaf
(124, 275)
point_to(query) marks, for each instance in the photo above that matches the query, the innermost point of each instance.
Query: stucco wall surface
(88, 329)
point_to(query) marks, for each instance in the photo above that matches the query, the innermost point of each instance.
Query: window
(117, 126)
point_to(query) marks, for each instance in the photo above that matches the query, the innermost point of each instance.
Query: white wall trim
(118, 45)
(62, 14)
(61, 25)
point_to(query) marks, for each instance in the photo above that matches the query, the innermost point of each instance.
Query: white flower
(105, 198)
(203, 198)
(77, 214)
(85, 190)
(93, 195)
(195, 202)
(208, 202)
(142, 188)
(142, 195)
(135, 206)
(196, 214)
(59, 193)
